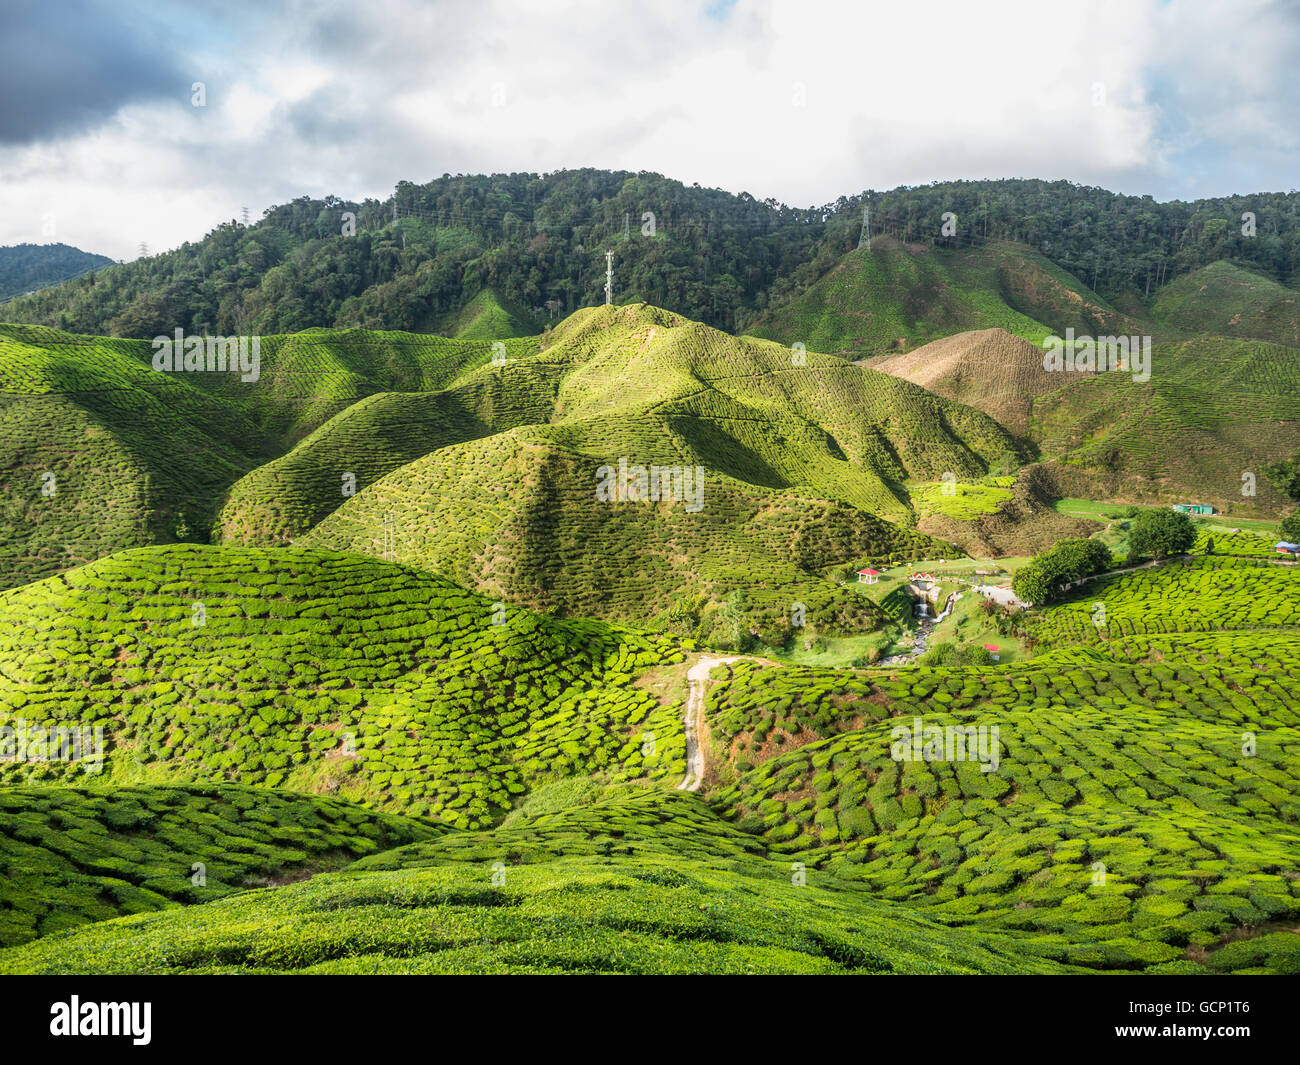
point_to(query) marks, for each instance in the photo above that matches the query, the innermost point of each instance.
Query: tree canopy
(1159, 533)
(539, 242)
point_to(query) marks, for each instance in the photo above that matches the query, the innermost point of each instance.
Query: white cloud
(317, 99)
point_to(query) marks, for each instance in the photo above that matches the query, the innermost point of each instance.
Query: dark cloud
(66, 67)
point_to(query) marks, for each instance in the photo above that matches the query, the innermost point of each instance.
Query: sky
(150, 122)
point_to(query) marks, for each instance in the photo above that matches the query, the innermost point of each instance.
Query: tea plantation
(1139, 813)
(1142, 813)
(69, 856)
(1196, 595)
(323, 671)
(419, 705)
(650, 883)
(100, 452)
(654, 388)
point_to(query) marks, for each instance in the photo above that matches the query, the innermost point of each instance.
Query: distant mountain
(537, 243)
(25, 268)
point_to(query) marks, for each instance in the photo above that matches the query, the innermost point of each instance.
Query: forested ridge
(26, 267)
(539, 242)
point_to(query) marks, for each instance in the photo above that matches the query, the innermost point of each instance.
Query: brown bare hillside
(988, 369)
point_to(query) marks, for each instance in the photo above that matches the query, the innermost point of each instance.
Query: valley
(488, 628)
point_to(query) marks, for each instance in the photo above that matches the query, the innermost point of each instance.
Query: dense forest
(26, 267)
(539, 244)
(1115, 244)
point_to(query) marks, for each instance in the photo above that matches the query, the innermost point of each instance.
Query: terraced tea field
(328, 672)
(1197, 595)
(1230, 300)
(801, 463)
(892, 298)
(70, 856)
(90, 433)
(1213, 408)
(1136, 808)
(628, 886)
(1140, 769)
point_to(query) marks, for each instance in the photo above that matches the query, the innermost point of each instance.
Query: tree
(1160, 534)
(1286, 476)
(1070, 560)
(1291, 528)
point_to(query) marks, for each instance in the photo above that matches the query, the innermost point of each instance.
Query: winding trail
(697, 678)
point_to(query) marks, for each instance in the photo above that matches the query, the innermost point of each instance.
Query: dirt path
(697, 677)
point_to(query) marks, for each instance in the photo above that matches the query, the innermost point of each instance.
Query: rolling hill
(988, 369)
(641, 883)
(1215, 410)
(1215, 407)
(1227, 299)
(898, 296)
(801, 462)
(100, 452)
(325, 672)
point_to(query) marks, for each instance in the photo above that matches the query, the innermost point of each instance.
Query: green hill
(320, 671)
(1214, 408)
(899, 296)
(643, 883)
(100, 452)
(70, 856)
(537, 241)
(420, 256)
(1232, 301)
(800, 464)
(485, 317)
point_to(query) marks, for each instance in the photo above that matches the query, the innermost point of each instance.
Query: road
(697, 679)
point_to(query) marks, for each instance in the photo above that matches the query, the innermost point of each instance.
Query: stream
(924, 627)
